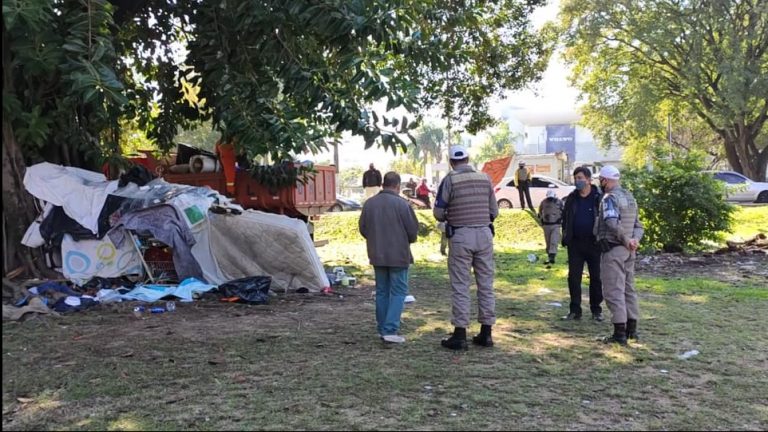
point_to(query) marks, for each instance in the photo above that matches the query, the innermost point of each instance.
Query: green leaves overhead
(280, 77)
(637, 62)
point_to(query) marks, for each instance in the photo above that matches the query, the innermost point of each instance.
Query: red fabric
(496, 169)
(422, 190)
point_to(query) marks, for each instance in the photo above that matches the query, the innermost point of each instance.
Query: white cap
(458, 152)
(521, 163)
(609, 172)
(551, 194)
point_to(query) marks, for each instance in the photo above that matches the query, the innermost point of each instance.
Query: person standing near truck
(523, 177)
(371, 181)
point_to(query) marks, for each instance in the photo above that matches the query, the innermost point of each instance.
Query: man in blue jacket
(579, 236)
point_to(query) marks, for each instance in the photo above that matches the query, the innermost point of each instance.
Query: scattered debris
(555, 304)
(756, 245)
(688, 354)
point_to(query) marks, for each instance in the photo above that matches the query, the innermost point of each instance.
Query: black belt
(551, 223)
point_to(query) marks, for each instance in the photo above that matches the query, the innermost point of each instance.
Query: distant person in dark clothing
(371, 181)
(410, 187)
(579, 236)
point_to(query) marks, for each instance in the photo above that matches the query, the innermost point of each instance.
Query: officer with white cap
(551, 217)
(466, 202)
(619, 232)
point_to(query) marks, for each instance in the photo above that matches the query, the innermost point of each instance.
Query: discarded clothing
(138, 174)
(52, 286)
(36, 305)
(164, 223)
(73, 304)
(58, 223)
(81, 193)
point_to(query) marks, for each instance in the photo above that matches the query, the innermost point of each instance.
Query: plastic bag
(253, 289)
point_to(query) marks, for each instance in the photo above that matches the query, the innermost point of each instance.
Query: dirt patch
(729, 268)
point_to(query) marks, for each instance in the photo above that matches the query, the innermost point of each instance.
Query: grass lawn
(314, 362)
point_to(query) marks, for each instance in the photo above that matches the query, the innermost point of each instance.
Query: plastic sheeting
(152, 293)
(81, 193)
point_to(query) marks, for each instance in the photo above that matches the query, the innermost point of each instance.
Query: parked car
(508, 197)
(741, 189)
(345, 204)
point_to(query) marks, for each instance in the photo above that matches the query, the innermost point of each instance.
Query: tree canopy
(498, 144)
(275, 77)
(638, 62)
(278, 77)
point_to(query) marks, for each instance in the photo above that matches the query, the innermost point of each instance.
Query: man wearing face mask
(579, 225)
(618, 234)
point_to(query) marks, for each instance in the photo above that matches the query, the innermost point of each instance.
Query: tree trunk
(743, 160)
(18, 206)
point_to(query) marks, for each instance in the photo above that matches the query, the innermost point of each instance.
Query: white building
(533, 127)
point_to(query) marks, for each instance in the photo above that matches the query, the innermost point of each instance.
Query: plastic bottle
(170, 306)
(157, 310)
(138, 311)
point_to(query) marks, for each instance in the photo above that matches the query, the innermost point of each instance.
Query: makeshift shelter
(97, 224)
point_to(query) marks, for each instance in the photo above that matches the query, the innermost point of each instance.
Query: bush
(679, 205)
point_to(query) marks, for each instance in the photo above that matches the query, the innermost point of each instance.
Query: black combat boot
(484, 338)
(632, 330)
(552, 258)
(457, 341)
(619, 335)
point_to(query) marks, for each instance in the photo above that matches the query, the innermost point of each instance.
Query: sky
(551, 95)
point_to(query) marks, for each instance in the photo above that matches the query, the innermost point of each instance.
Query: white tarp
(257, 243)
(81, 193)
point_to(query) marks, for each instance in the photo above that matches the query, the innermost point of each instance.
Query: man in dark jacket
(389, 226)
(579, 236)
(371, 181)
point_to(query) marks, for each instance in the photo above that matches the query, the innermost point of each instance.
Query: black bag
(253, 289)
(449, 231)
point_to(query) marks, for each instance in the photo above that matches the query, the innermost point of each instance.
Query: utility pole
(336, 155)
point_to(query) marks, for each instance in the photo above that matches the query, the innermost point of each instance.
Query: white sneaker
(410, 299)
(396, 339)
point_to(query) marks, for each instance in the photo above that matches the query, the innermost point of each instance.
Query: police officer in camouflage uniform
(618, 234)
(551, 217)
(466, 202)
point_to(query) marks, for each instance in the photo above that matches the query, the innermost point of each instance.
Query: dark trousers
(425, 200)
(525, 192)
(579, 252)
